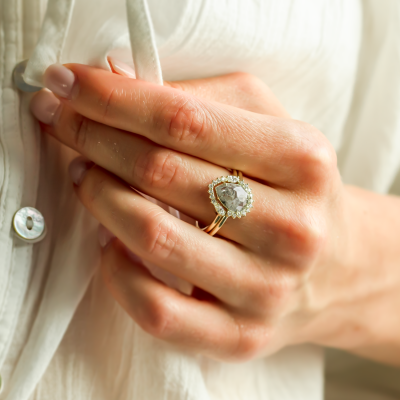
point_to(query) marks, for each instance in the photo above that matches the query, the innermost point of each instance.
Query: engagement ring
(231, 197)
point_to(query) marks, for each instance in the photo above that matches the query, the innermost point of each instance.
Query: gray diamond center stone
(232, 196)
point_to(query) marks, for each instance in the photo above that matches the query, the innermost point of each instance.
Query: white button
(18, 76)
(29, 225)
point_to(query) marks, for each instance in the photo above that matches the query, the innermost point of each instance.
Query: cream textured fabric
(62, 336)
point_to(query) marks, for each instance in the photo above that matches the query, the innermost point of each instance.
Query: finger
(199, 326)
(269, 148)
(213, 264)
(175, 178)
(237, 89)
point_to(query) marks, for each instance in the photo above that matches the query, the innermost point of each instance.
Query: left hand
(264, 283)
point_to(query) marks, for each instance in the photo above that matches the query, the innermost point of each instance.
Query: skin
(315, 261)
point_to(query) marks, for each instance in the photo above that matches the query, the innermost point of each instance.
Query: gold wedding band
(231, 197)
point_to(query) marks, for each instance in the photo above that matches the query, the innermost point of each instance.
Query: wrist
(357, 291)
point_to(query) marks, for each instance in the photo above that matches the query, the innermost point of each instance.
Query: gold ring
(231, 197)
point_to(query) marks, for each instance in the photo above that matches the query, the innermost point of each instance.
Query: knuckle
(106, 103)
(247, 83)
(307, 235)
(250, 340)
(184, 120)
(159, 168)
(93, 189)
(313, 238)
(257, 296)
(109, 268)
(279, 293)
(159, 236)
(268, 297)
(321, 160)
(157, 320)
(317, 156)
(81, 128)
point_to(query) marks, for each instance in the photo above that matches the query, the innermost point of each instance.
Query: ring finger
(177, 179)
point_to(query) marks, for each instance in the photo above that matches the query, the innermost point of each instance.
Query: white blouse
(332, 63)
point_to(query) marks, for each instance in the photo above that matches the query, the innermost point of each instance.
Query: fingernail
(120, 68)
(45, 107)
(104, 236)
(78, 169)
(61, 81)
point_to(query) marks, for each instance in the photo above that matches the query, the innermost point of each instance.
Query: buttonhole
(29, 223)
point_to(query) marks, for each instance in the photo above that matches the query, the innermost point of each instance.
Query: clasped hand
(264, 283)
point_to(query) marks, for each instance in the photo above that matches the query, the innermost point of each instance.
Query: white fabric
(370, 157)
(331, 64)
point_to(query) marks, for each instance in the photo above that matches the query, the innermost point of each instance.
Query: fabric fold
(368, 159)
(51, 41)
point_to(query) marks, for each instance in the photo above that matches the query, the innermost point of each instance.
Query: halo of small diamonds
(216, 202)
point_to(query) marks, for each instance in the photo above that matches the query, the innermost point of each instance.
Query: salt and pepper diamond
(230, 196)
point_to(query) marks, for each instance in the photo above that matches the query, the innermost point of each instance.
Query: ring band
(231, 197)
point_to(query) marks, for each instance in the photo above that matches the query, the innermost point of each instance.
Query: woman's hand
(286, 273)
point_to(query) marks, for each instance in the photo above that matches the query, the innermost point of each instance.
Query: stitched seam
(3, 143)
(12, 269)
(16, 110)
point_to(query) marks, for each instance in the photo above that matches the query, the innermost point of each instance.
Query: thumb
(237, 89)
